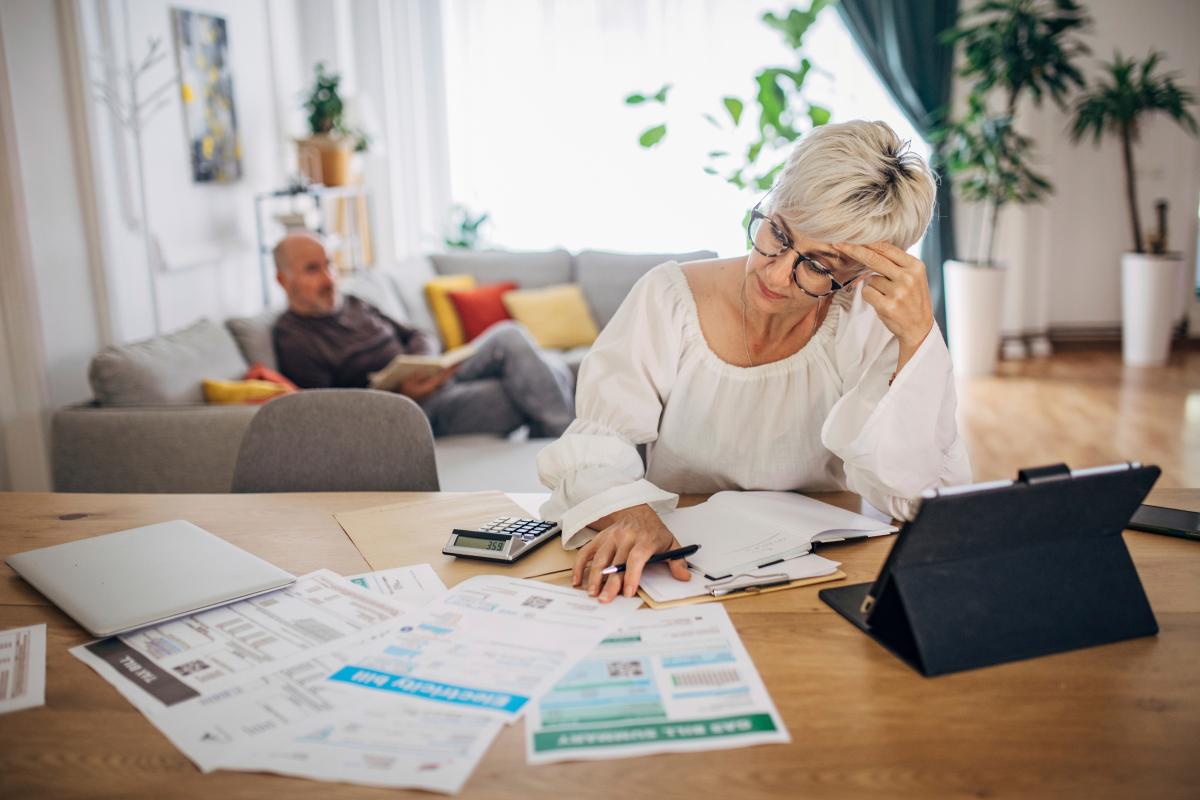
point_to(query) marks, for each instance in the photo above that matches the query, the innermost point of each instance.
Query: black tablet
(1008, 570)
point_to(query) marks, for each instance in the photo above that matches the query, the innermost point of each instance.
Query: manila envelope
(414, 532)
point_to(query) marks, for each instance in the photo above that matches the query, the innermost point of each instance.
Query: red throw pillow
(481, 308)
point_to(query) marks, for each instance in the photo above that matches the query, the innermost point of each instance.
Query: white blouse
(822, 419)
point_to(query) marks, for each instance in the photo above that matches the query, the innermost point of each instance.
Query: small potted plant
(1014, 48)
(1150, 281)
(325, 156)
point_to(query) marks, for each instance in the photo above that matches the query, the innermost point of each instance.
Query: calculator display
(479, 542)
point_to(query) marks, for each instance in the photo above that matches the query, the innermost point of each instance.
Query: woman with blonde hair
(812, 363)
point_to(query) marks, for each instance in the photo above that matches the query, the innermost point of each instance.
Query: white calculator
(504, 539)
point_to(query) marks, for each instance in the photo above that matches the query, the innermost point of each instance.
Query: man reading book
(328, 340)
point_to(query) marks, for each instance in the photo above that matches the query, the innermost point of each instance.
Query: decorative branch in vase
(132, 109)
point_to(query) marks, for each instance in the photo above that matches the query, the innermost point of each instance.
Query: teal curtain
(901, 40)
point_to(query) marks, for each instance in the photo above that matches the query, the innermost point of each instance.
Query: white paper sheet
(22, 668)
(215, 681)
(415, 585)
(531, 502)
(398, 743)
(276, 710)
(491, 643)
(212, 651)
(663, 588)
(676, 680)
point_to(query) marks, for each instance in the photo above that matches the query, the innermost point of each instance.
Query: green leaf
(713, 120)
(717, 153)
(798, 76)
(796, 23)
(771, 99)
(635, 99)
(652, 136)
(661, 94)
(818, 114)
(734, 106)
(710, 170)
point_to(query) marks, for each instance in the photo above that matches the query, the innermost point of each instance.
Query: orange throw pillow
(258, 372)
(480, 309)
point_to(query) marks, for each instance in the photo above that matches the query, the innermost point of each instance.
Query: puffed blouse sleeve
(895, 441)
(595, 468)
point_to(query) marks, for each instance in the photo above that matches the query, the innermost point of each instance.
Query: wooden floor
(1081, 406)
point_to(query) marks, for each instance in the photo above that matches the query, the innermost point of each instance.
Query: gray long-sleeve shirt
(341, 349)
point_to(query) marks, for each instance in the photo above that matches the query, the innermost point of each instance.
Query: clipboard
(751, 591)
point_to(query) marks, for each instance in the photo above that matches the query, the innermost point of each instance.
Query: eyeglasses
(809, 275)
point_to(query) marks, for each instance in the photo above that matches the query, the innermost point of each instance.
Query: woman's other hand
(630, 537)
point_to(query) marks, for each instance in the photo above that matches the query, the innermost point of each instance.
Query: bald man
(326, 340)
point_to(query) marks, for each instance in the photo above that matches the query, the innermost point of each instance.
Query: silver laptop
(130, 579)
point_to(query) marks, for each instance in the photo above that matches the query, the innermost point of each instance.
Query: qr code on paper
(191, 667)
(535, 601)
(625, 669)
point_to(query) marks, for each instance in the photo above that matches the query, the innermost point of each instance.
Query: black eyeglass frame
(787, 244)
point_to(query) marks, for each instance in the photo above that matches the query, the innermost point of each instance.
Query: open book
(404, 366)
(739, 532)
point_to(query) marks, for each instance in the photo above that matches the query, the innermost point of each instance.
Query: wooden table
(1116, 721)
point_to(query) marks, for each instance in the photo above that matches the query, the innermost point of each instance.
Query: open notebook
(741, 532)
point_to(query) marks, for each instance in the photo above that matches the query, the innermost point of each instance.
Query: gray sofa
(149, 430)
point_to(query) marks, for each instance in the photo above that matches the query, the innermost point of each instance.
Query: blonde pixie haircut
(855, 182)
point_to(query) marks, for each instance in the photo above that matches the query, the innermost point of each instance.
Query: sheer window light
(540, 136)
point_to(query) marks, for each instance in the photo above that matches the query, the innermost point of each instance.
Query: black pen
(654, 559)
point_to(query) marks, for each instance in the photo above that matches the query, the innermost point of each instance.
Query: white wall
(1066, 253)
(204, 232)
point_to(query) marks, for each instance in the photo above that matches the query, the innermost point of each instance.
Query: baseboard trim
(1085, 333)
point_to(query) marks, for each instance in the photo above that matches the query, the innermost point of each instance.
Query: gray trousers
(508, 383)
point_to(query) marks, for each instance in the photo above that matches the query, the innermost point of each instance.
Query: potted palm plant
(1013, 48)
(1150, 281)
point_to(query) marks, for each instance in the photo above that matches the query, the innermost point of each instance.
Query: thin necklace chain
(746, 336)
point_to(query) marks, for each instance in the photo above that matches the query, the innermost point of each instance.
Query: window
(540, 137)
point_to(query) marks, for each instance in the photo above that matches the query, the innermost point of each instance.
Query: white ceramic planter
(1149, 300)
(974, 295)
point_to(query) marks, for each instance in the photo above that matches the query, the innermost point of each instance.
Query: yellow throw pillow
(222, 392)
(557, 316)
(445, 315)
